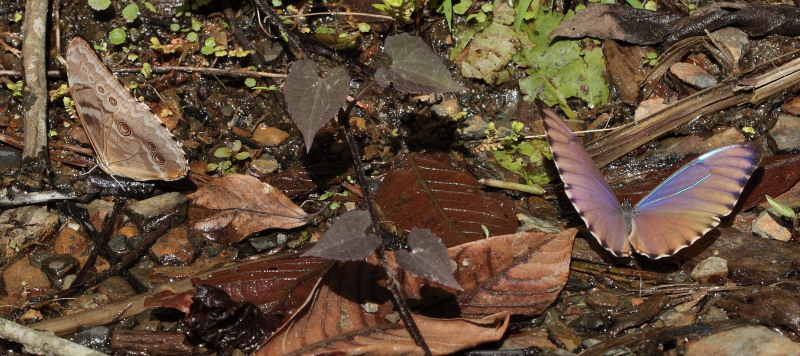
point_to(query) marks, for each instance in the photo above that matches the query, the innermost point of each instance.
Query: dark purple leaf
(415, 68)
(227, 324)
(346, 239)
(311, 100)
(428, 258)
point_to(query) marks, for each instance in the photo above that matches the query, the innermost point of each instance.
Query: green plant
(651, 59)
(130, 12)
(16, 87)
(99, 5)
(225, 167)
(117, 36)
(400, 10)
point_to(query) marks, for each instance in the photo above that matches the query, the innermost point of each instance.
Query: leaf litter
(508, 272)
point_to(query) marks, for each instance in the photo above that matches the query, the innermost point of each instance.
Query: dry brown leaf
(334, 321)
(237, 206)
(523, 275)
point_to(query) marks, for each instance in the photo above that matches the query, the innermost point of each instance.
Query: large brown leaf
(430, 192)
(334, 322)
(521, 273)
(237, 206)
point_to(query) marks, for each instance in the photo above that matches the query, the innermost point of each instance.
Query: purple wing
(691, 201)
(585, 186)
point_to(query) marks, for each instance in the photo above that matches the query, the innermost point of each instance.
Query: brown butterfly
(128, 138)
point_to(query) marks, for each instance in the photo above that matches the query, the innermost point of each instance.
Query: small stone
(713, 314)
(166, 209)
(24, 281)
(601, 299)
(448, 108)
(768, 226)
(732, 39)
(783, 136)
(263, 243)
(743, 341)
(21, 227)
(269, 136)
(648, 107)
(116, 288)
(725, 137)
(693, 75)
(70, 242)
(56, 268)
(86, 302)
(97, 338)
(174, 248)
(264, 165)
(712, 270)
(792, 106)
(675, 318)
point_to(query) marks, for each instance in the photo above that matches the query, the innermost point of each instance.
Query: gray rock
(744, 341)
(163, 210)
(783, 136)
(768, 226)
(712, 270)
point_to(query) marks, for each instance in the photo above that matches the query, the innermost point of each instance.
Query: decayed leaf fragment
(521, 273)
(241, 205)
(347, 239)
(334, 321)
(415, 68)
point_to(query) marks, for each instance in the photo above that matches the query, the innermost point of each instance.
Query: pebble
(97, 338)
(116, 288)
(269, 136)
(264, 165)
(24, 281)
(744, 341)
(783, 136)
(693, 75)
(712, 270)
(166, 209)
(673, 317)
(20, 227)
(174, 248)
(769, 226)
(601, 299)
(70, 242)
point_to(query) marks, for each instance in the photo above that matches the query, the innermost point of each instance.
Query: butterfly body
(129, 140)
(672, 216)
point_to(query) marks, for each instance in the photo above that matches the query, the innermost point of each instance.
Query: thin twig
(246, 73)
(342, 13)
(43, 343)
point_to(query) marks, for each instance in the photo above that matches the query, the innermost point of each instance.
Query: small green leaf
(781, 208)
(149, 6)
(192, 37)
(364, 27)
(242, 156)
(17, 17)
(462, 7)
(59, 93)
(485, 230)
(223, 152)
(749, 130)
(130, 12)
(117, 36)
(196, 24)
(250, 82)
(212, 166)
(99, 5)
(225, 164)
(147, 70)
(174, 27)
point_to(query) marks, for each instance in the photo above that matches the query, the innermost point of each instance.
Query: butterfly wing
(585, 186)
(129, 140)
(691, 201)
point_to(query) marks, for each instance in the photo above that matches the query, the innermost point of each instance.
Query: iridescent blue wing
(691, 201)
(585, 186)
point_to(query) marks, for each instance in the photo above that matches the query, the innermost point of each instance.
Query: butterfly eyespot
(91, 77)
(124, 129)
(101, 89)
(149, 146)
(112, 101)
(158, 159)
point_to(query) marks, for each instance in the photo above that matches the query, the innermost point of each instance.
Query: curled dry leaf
(237, 206)
(333, 321)
(521, 273)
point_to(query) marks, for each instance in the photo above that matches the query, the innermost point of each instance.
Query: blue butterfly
(671, 217)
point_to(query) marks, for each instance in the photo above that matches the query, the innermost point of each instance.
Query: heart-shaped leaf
(346, 239)
(312, 101)
(428, 258)
(415, 68)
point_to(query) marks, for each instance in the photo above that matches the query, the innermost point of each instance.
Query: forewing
(585, 186)
(691, 201)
